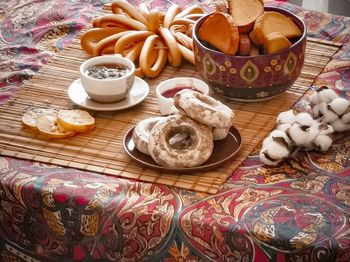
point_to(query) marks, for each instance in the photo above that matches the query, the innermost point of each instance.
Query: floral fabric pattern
(298, 211)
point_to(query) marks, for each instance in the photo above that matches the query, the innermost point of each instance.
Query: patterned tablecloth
(297, 212)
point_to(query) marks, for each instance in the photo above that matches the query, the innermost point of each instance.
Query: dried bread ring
(133, 52)
(131, 37)
(194, 9)
(204, 109)
(106, 42)
(141, 133)
(109, 50)
(182, 21)
(194, 17)
(187, 54)
(174, 54)
(170, 14)
(154, 20)
(181, 37)
(144, 10)
(119, 20)
(180, 142)
(129, 9)
(90, 38)
(148, 68)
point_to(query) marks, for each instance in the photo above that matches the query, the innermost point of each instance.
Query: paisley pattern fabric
(298, 211)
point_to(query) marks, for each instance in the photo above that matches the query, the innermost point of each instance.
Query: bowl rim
(180, 79)
(266, 8)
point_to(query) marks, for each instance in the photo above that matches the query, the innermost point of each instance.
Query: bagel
(142, 131)
(179, 142)
(220, 133)
(204, 109)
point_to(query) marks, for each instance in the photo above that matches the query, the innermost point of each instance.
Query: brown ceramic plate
(223, 151)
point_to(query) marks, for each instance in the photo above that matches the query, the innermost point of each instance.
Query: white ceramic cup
(165, 104)
(107, 90)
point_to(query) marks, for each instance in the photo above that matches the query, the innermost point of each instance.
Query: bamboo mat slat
(101, 150)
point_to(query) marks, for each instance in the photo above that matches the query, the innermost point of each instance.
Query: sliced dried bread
(244, 13)
(276, 42)
(272, 21)
(220, 31)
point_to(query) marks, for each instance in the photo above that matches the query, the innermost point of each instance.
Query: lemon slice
(48, 126)
(76, 120)
(30, 116)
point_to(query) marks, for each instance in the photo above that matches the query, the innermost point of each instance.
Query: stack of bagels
(185, 138)
(148, 37)
(246, 29)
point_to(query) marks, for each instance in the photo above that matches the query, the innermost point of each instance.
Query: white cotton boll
(314, 99)
(281, 134)
(266, 159)
(304, 119)
(329, 116)
(283, 127)
(340, 126)
(325, 129)
(339, 105)
(297, 135)
(327, 95)
(286, 117)
(277, 150)
(346, 118)
(322, 142)
(277, 136)
(267, 141)
(316, 110)
(323, 106)
(311, 134)
(303, 136)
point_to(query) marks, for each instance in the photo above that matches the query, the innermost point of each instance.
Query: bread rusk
(254, 39)
(220, 31)
(253, 50)
(270, 22)
(275, 42)
(244, 13)
(244, 45)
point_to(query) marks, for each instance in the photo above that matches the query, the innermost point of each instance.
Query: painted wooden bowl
(251, 78)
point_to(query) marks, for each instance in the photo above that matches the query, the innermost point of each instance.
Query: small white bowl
(174, 85)
(107, 90)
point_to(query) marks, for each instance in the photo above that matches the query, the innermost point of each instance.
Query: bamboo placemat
(101, 150)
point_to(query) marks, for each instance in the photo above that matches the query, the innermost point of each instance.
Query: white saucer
(137, 94)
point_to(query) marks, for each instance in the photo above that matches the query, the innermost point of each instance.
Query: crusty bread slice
(244, 13)
(220, 31)
(275, 42)
(272, 21)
